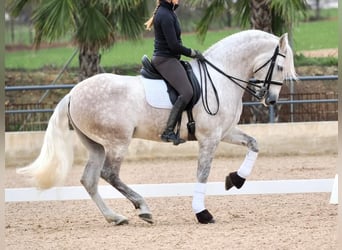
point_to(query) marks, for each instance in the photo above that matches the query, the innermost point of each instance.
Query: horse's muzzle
(271, 100)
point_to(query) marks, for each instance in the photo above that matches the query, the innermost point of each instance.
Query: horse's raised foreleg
(237, 179)
(206, 154)
(110, 173)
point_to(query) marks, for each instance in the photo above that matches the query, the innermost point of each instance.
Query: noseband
(258, 94)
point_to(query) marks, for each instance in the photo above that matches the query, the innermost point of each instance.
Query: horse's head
(271, 71)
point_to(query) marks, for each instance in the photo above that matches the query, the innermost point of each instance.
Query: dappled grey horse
(108, 110)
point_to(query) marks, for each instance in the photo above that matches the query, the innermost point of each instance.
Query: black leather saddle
(148, 71)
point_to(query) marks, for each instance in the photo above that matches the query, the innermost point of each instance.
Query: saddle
(148, 71)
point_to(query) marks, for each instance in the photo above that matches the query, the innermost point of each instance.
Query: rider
(168, 49)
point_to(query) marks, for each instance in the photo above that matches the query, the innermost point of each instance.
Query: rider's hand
(197, 54)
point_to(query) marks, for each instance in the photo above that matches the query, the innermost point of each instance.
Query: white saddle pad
(156, 93)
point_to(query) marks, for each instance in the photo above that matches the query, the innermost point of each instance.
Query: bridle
(260, 93)
(268, 79)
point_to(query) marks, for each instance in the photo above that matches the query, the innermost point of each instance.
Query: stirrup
(170, 136)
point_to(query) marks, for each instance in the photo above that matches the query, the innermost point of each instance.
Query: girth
(148, 71)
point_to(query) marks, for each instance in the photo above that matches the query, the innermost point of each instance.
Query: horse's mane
(249, 35)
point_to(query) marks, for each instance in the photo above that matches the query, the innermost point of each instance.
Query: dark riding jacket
(168, 42)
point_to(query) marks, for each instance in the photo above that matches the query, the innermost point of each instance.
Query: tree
(274, 16)
(261, 15)
(318, 10)
(93, 24)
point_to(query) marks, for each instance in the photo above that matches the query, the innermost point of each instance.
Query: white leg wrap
(247, 165)
(198, 198)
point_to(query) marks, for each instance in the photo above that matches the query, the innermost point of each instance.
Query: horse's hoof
(147, 218)
(233, 179)
(121, 222)
(205, 217)
(229, 184)
(116, 219)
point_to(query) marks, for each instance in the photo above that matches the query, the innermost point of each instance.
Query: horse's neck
(231, 64)
(236, 57)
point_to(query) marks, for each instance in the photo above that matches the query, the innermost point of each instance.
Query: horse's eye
(280, 68)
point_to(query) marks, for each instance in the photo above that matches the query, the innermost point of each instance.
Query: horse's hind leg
(238, 177)
(110, 173)
(91, 177)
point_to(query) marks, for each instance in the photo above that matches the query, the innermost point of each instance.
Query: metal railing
(271, 108)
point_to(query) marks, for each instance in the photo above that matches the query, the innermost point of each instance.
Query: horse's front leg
(237, 178)
(207, 148)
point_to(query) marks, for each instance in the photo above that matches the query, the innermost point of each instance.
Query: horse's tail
(56, 155)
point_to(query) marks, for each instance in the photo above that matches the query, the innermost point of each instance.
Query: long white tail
(56, 156)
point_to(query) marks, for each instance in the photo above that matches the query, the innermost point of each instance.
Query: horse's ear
(283, 41)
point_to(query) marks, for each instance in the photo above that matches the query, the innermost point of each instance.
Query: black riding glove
(197, 54)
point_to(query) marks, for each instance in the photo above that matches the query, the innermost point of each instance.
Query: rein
(202, 64)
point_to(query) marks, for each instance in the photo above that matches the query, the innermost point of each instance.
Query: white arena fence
(173, 190)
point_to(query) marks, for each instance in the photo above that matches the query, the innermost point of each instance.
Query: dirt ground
(296, 221)
(321, 53)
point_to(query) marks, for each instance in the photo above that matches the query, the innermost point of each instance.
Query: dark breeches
(173, 71)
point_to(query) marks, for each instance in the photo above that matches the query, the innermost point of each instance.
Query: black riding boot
(169, 134)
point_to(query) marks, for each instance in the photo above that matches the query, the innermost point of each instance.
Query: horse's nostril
(270, 101)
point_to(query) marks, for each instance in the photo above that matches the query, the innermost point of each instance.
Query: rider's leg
(169, 134)
(173, 72)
